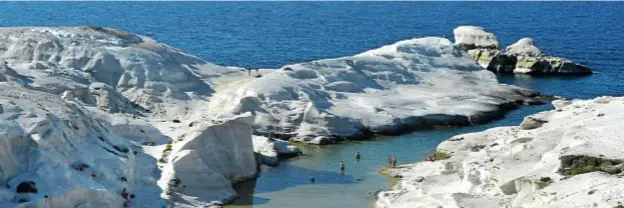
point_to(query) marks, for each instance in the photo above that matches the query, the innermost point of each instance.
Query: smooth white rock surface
(524, 46)
(108, 68)
(408, 85)
(475, 37)
(501, 167)
(208, 159)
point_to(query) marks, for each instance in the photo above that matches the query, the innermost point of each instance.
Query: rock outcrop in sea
(522, 57)
(568, 157)
(409, 85)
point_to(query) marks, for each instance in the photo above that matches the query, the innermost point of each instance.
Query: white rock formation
(573, 158)
(524, 46)
(522, 57)
(208, 160)
(411, 84)
(472, 37)
(74, 157)
(270, 150)
(72, 97)
(76, 96)
(108, 68)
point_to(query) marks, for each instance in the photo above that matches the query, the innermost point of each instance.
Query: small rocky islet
(522, 57)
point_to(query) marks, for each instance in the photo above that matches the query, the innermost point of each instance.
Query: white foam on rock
(407, 85)
(507, 166)
(475, 37)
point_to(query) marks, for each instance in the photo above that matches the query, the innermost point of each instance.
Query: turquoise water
(272, 34)
(289, 185)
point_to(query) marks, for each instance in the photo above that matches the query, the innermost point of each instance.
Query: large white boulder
(573, 158)
(270, 150)
(265, 150)
(408, 85)
(471, 37)
(208, 160)
(524, 46)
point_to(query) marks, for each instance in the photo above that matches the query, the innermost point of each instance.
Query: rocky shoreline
(567, 157)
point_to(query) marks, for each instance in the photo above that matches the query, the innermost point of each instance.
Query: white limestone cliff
(568, 157)
(77, 103)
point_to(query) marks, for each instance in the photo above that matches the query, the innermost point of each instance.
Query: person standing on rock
(394, 161)
(357, 156)
(389, 161)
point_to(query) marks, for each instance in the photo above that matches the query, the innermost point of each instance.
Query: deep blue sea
(272, 34)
